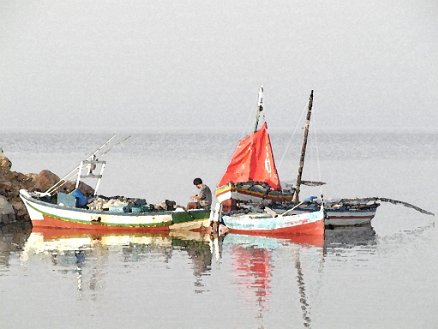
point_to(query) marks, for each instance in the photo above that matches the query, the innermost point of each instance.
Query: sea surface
(381, 276)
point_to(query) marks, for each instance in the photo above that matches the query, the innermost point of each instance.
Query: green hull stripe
(177, 218)
(78, 221)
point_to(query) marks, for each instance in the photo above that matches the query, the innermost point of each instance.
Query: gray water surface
(382, 276)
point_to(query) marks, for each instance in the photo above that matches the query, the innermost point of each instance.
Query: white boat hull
(44, 214)
(261, 223)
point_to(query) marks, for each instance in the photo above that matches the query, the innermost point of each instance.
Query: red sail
(253, 161)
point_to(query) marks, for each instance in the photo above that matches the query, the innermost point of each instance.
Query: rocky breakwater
(12, 208)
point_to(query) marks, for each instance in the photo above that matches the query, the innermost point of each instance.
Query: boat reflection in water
(260, 265)
(75, 249)
(341, 240)
(257, 261)
(254, 259)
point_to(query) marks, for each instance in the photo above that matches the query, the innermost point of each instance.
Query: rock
(45, 180)
(20, 209)
(7, 213)
(69, 186)
(86, 189)
(11, 182)
(5, 164)
(5, 186)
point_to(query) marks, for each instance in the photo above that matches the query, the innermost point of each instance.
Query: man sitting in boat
(203, 198)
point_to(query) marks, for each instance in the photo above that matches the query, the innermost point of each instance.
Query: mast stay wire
(316, 145)
(299, 122)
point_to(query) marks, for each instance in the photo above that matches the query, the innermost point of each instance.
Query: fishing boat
(251, 178)
(44, 213)
(339, 212)
(271, 224)
(75, 210)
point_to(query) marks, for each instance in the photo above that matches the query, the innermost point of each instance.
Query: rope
(292, 137)
(120, 141)
(318, 162)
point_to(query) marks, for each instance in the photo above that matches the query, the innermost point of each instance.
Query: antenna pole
(259, 108)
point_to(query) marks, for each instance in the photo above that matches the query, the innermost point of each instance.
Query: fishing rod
(96, 153)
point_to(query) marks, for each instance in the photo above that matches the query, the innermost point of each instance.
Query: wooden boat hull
(352, 216)
(250, 193)
(310, 223)
(45, 214)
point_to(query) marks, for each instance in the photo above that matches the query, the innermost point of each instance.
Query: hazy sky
(198, 64)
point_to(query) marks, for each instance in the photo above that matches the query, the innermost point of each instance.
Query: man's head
(197, 182)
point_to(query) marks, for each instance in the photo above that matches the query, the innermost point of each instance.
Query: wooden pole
(296, 197)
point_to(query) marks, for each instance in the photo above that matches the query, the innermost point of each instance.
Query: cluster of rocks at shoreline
(12, 208)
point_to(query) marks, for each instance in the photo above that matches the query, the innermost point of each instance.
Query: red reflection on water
(253, 264)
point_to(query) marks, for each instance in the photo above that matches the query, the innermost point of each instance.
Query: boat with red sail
(251, 180)
(252, 175)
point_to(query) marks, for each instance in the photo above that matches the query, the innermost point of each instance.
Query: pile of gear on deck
(123, 204)
(117, 204)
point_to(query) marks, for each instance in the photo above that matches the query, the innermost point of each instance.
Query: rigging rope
(318, 162)
(299, 122)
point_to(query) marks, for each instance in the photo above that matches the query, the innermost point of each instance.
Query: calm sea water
(382, 276)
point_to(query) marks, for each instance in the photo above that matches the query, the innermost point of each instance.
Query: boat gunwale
(309, 218)
(30, 198)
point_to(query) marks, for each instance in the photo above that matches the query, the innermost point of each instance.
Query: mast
(296, 197)
(259, 108)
